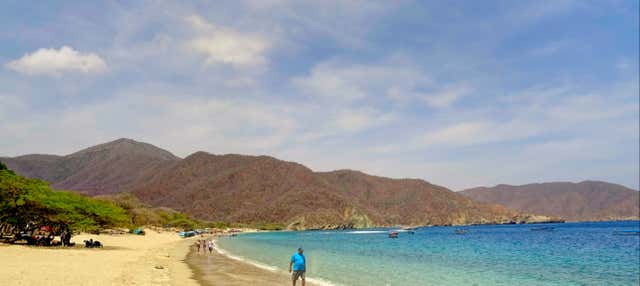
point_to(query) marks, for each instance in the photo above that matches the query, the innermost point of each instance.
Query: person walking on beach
(198, 245)
(210, 244)
(298, 264)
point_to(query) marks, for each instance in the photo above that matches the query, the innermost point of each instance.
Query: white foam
(367, 231)
(242, 259)
(316, 281)
(321, 282)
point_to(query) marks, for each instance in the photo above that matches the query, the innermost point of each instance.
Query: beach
(560, 254)
(130, 260)
(485, 256)
(217, 268)
(152, 259)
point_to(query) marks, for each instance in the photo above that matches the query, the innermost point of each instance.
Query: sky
(459, 93)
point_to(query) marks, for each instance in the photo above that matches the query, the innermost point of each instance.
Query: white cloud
(471, 133)
(347, 23)
(535, 11)
(461, 134)
(540, 113)
(447, 96)
(326, 82)
(345, 121)
(56, 62)
(551, 48)
(223, 45)
(394, 79)
(186, 123)
(335, 79)
(624, 64)
(355, 120)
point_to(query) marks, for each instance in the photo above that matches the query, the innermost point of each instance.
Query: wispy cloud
(349, 81)
(343, 122)
(551, 48)
(447, 95)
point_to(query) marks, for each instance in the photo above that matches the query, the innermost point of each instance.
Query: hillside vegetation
(24, 201)
(142, 214)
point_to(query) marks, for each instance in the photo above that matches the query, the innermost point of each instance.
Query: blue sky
(459, 93)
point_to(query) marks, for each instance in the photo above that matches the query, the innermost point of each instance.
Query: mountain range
(263, 189)
(250, 189)
(584, 201)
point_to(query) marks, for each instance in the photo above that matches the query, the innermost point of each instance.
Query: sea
(546, 254)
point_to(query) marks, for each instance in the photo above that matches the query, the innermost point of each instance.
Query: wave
(315, 281)
(321, 282)
(242, 259)
(367, 231)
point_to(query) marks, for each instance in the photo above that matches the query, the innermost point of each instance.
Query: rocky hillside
(410, 201)
(249, 188)
(256, 189)
(101, 169)
(584, 201)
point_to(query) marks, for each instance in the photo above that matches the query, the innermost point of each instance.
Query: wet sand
(217, 269)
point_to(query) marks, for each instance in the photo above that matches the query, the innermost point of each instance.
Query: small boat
(408, 230)
(393, 234)
(626, 232)
(543, 228)
(460, 231)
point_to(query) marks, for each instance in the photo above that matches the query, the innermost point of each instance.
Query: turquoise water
(570, 254)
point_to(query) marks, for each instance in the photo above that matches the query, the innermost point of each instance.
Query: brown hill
(411, 201)
(584, 201)
(101, 169)
(241, 189)
(263, 189)
(255, 189)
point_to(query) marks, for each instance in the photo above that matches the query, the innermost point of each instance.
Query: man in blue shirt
(299, 263)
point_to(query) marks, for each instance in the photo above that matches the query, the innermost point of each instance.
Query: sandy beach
(218, 269)
(125, 260)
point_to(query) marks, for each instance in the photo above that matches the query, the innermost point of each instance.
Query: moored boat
(626, 232)
(460, 231)
(543, 228)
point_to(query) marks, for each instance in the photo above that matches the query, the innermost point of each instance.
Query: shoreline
(222, 268)
(152, 259)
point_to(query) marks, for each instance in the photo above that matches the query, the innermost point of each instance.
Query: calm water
(571, 254)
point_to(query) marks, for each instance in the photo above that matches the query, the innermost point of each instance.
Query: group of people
(204, 245)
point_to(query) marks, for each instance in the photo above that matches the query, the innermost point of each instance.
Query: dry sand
(125, 260)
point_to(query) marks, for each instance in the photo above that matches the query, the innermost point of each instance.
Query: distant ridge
(257, 189)
(583, 201)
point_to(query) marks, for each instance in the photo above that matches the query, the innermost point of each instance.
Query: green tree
(25, 200)
(4, 167)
